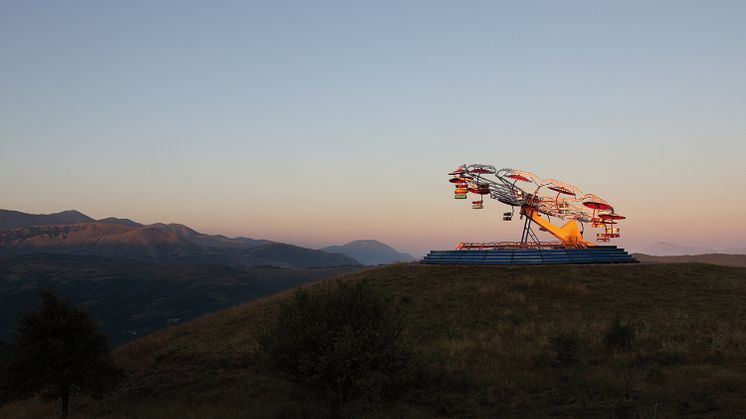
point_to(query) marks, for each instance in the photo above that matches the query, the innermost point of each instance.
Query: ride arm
(568, 234)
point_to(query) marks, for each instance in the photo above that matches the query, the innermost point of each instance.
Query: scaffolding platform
(529, 256)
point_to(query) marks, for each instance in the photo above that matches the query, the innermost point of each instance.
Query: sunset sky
(317, 123)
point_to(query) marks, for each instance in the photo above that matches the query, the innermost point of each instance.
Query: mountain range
(370, 252)
(670, 249)
(73, 233)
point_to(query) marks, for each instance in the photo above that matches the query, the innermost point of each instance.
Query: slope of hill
(161, 243)
(370, 252)
(492, 341)
(11, 220)
(712, 258)
(130, 299)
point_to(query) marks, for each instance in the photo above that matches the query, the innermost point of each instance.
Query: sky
(317, 123)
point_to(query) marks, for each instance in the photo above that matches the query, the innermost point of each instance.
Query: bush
(619, 337)
(344, 339)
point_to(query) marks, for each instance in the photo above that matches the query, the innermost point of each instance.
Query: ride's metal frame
(569, 203)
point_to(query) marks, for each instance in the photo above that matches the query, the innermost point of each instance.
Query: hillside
(130, 299)
(370, 252)
(712, 258)
(160, 243)
(488, 339)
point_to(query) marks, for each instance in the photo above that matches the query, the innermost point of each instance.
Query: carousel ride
(538, 202)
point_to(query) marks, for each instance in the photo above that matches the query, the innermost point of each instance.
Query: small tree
(60, 352)
(6, 355)
(345, 339)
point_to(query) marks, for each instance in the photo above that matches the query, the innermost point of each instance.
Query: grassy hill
(492, 341)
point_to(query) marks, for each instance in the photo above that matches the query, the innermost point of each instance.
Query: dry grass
(487, 340)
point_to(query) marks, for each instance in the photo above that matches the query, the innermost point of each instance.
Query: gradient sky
(321, 122)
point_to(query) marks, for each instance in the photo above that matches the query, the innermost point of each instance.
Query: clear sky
(322, 122)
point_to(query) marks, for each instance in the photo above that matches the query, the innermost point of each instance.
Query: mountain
(206, 240)
(711, 258)
(161, 243)
(130, 298)
(669, 249)
(10, 220)
(491, 341)
(370, 252)
(73, 217)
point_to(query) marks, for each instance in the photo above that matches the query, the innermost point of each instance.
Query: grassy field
(492, 341)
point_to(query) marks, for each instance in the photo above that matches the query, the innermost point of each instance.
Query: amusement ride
(538, 201)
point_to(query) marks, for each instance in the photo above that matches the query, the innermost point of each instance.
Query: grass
(493, 341)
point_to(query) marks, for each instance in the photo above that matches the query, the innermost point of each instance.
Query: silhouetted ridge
(370, 252)
(161, 243)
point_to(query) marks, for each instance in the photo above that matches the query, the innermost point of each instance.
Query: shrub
(344, 339)
(619, 337)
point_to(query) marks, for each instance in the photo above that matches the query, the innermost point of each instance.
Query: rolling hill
(492, 342)
(370, 252)
(130, 299)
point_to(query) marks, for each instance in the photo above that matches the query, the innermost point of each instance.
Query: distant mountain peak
(73, 217)
(370, 252)
(368, 243)
(669, 249)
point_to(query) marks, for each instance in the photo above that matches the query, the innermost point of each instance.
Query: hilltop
(489, 339)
